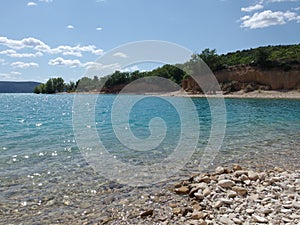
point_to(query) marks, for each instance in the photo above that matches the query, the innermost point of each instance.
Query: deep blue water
(37, 140)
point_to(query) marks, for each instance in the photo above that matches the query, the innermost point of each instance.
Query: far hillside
(17, 87)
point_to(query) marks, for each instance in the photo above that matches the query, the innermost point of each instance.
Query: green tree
(70, 87)
(212, 59)
(49, 89)
(261, 57)
(37, 90)
(58, 84)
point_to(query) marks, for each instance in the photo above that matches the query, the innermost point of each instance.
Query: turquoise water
(39, 157)
(37, 133)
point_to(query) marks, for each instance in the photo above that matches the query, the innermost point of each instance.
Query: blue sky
(40, 39)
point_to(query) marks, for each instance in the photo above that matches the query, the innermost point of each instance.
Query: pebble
(259, 219)
(252, 175)
(201, 186)
(226, 183)
(250, 211)
(219, 170)
(226, 201)
(296, 205)
(147, 213)
(204, 179)
(278, 169)
(206, 192)
(243, 177)
(285, 210)
(265, 210)
(218, 204)
(177, 210)
(247, 182)
(231, 194)
(236, 167)
(237, 221)
(240, 172)
(182, 190)
(198, 215)
(226, 220)
(199, 195)
(240, 190)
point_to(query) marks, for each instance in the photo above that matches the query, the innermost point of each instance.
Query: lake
(44, 173)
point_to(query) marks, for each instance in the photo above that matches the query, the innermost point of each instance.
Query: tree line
(55, 85)
(282, 57)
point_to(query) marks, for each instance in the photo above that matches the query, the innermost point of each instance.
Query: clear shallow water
(43, 170)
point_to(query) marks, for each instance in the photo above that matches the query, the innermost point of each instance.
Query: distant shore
(294, 94)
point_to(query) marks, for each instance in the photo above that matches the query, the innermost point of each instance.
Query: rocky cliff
(249, 78)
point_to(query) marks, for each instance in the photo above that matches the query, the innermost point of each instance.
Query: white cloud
(65, 62)
(41, 47)
(252, 8)
(31, 4)
(10, 76)
(77, 54)
(120, 54)
(23, 65)
(16, 73)
(102, 67)
(8, 52)
(24, 43)
(47, 1)
(99, 28)
(268, 18)
(88, 65)
(131, 69)
(93, 65)
(26, 55)
(97, 52)
(77, 50)
(296, 9)
(14, 54)
(70, 27)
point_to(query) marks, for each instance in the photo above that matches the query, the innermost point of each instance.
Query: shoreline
(294, 94)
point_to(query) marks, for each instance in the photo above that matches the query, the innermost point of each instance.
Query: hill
(263, 68)
(17, 87)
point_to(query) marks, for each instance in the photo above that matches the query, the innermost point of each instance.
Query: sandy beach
(294, 94)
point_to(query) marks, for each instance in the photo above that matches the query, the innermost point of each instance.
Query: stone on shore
(182, 190)
(226, 183)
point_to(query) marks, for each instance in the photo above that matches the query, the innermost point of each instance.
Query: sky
(40, 39)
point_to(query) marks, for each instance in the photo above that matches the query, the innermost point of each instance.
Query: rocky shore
(225, 196)
(237, 196)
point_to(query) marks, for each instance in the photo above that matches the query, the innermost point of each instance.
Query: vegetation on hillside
(281, 57)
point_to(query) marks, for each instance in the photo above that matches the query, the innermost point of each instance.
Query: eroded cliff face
(249, 78)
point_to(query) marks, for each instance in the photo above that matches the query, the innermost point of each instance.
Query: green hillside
(281, 57)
